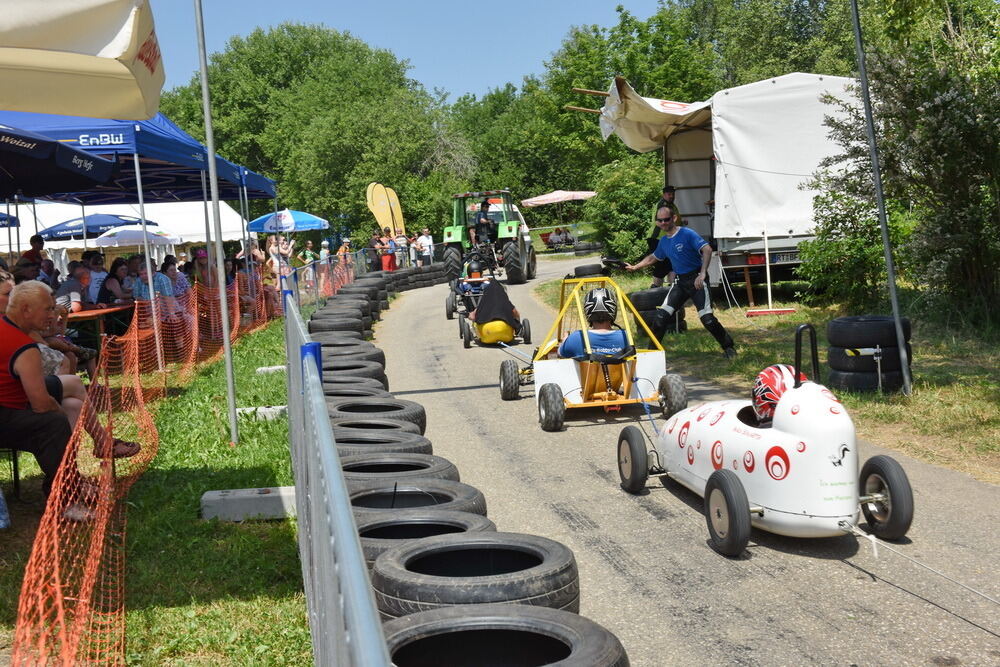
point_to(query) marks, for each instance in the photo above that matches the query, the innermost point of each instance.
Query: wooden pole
(569, 107)
(587, 91)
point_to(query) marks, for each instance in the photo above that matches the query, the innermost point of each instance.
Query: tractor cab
(501, 237)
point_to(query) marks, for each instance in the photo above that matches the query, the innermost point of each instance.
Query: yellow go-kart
(635, 376)
(494, 319)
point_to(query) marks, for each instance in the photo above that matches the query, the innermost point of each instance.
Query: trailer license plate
(784, 257)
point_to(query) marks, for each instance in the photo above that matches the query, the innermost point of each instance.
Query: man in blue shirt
(689, 255)
(600, 308)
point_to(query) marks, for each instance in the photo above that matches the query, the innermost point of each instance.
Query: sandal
(121, 449)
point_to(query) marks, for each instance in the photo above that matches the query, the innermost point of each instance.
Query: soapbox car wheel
(727, 513)
(449, 306)
(509, 382)
(673, 395)
(551, 407)
(526, 331)
(633, 460)
(888, 518)
(466, 333)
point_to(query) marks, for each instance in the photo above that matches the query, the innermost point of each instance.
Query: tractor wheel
(466, 333)
(551, 407)
(512, 264)
(888, 519)
(673, 394)
(727, 512)
(452, 259)
(532, 264)
(509, 380)
(633, 460)
(526, 331)
(449, 306)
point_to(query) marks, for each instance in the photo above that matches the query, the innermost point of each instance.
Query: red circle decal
(795, 409)
(748, 461)
(704, 413)
(717, 418)
(777, 463)
(834, 410)
(673, 423)
(717, 454)
(690, 455)
(801, 446)
(682, 436)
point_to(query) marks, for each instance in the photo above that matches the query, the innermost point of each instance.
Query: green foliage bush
(627, 190)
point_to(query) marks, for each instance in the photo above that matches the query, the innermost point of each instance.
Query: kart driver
(767, 390)
(600, 308)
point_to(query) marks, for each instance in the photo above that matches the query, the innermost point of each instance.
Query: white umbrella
(97, 58)
(557, 196)
(127, 235)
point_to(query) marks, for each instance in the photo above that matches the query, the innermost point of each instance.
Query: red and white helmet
(769, 386)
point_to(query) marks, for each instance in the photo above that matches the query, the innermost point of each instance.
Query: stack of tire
(646, 301)
(587, 247)
(450, 588)
(853, 372)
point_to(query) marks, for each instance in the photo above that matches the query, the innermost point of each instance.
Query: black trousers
(44, 434)
(684, 289)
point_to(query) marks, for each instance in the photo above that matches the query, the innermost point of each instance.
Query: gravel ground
(647, 571)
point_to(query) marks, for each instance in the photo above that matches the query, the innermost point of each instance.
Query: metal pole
(149, 264)
(17, 214)
(10, 246)
(208, 233)
(220, 267)
(83, 216)
(859, 48)
(245, 233)
(34, 213)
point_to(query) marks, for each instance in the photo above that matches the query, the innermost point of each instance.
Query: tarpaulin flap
(644, 123)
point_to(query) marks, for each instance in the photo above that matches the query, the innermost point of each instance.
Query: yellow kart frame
(635, 377)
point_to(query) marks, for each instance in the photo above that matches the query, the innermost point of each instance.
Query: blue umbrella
(36, 165)
(287, 221)
(9, 221)
(97, 224)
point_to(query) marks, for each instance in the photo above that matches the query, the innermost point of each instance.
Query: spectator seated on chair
(600, 308)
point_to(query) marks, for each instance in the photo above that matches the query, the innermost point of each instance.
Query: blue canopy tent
(97, 224)
(35, 165)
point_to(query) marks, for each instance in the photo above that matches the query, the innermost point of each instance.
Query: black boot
(659, 324)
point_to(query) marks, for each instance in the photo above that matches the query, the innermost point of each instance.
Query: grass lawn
(200, 592)
(956, 380)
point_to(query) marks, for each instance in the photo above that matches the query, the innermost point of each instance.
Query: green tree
(626, 189)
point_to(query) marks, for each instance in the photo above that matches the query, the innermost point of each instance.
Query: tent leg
(153, 298)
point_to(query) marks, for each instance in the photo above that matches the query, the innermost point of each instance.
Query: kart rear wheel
(509, 383)
(466, 333)
(633, 460)
(727, 513)
(673, 395)
(526, 331)
(449, 306)
(887, 519)
(551, 407)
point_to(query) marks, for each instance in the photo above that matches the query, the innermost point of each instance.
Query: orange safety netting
(71, 608)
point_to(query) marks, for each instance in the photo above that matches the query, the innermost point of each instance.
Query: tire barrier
(475, 568)
(853, 368)
(367, 468)
(358, 352)
(381, 533)
(368, 369)
(357, 442)
(499, 634)
(380, 408)
(385, 497)
(374, 423)
(338, 392)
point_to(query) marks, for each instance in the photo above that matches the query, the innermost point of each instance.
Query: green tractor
(504, 244)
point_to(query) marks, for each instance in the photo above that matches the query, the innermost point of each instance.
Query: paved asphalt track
(647, 572)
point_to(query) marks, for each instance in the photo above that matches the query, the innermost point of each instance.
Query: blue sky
(437, 36)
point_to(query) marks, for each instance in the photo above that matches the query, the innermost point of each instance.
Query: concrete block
(265, 412)
(263, 370)
(277, 502)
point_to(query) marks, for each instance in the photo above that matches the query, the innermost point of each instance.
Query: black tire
(337, 343)
(648, 299)
(452, 259)
(359, 352)
(336, 309)
(847, 381)
(356, 442)
(865, 331)
(532, 264)
(368, 468)
(380, 408)
(500, 634)
(526, 331)
(379, 532)
(449, 306)
(383, 304)
(368, 291)
(673, 395)
(381, 496)
(374, 424)
(839, 360)
(588, 270)
(337, 336)
(339, 380)
(633, 460)
(510, 385)
(466, 327)
(551, 407)
(337, 392)
(516, 274)
(336, 324)
(475, 568)
(727, 513)
(354, 367)
(889, 519)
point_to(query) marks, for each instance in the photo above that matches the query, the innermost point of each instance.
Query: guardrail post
(286, 294)
(313, 350)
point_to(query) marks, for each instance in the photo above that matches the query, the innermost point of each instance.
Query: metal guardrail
(343, 620)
